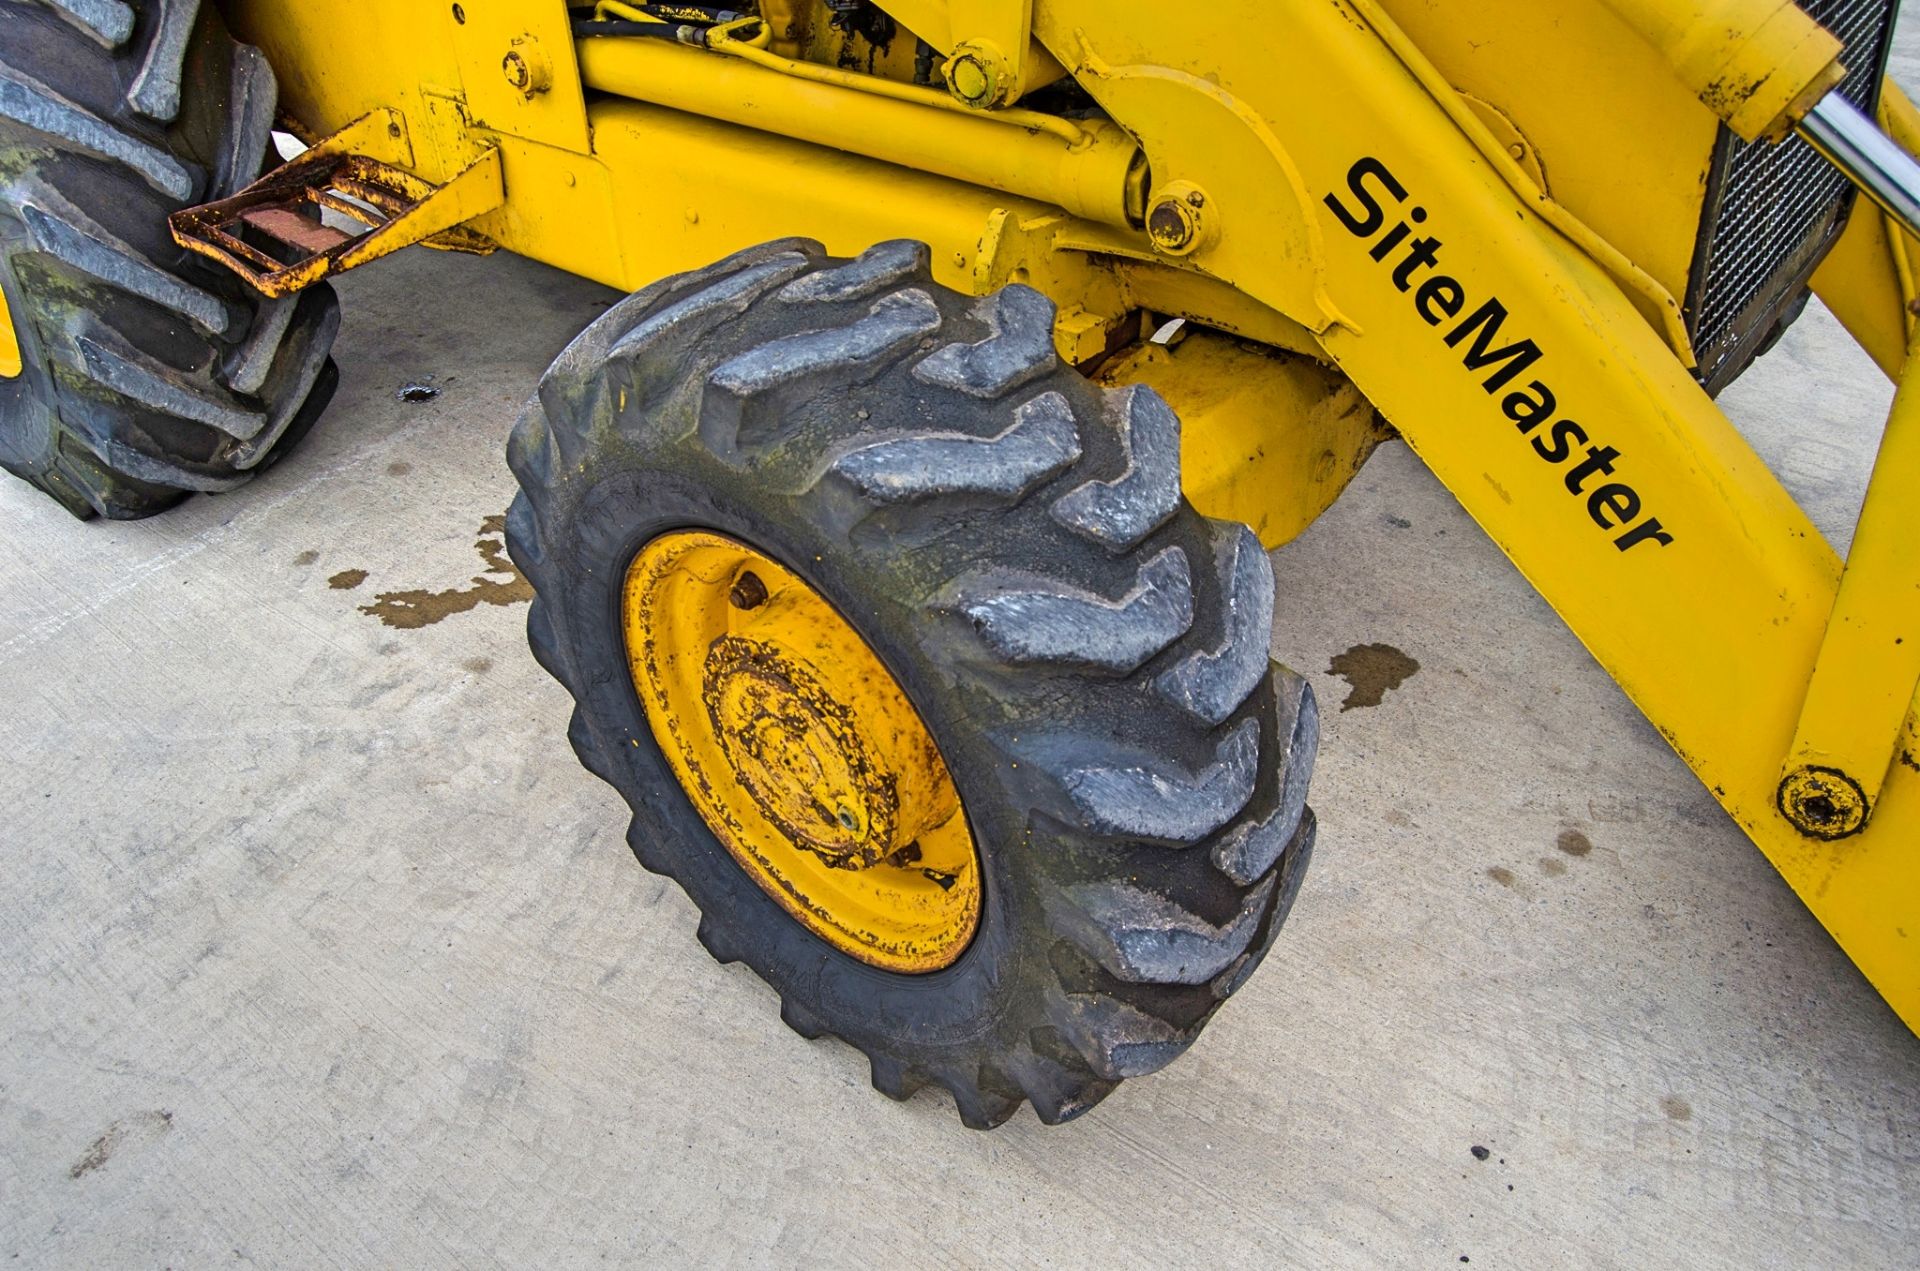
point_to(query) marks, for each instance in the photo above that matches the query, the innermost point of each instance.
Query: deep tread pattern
(880, 267)
(1247, 851)
(1211, 682)
(1148, 796)
(1041, 441)
(1132, 750)
(300, 375)
(128, 460)
(1027, 618)
(705, 309)
(141, 379)
(108, 22)
(156, 88)
(584, 361)
(894, 1078)
(1119, 1040)
(1144, 938)
(850, 354)
(1058, 1084)
(71, 236)
(253, 97)
(150, 373)
(860, 350)
(982, 1098)
(1293, 868)
(252, 360)
(33, 105)
(1118, 513)
(1019, 350)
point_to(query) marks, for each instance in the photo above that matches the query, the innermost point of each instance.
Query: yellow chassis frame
(1533, 367)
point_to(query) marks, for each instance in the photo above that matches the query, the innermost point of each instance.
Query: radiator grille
(1772, 210)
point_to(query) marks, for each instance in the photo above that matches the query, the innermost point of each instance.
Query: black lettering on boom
(1495, 359)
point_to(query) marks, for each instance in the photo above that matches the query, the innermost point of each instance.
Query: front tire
(1087, 651)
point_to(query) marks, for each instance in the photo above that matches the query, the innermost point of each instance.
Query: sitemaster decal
(1613, 505)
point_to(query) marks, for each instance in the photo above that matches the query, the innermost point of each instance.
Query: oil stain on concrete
(347, 579)
(499, 584)
(1573, 843)
(1374, 670)
(135, 1131)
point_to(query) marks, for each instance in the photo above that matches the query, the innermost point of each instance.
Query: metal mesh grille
(1778, 204)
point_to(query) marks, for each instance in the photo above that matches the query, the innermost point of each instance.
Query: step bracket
(274, 233)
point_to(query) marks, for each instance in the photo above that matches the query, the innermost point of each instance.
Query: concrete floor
(323, 949)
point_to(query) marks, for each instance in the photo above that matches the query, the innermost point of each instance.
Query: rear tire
(149, 373)
(1087, 651)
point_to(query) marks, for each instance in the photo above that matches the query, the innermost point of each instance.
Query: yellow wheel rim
(800, 751)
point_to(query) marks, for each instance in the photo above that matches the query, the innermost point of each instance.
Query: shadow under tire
(149, 373)
(1088, 653)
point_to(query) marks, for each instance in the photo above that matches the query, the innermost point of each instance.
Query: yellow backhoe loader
(902, 536)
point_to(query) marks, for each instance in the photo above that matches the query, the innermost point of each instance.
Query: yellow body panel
(1632, 165)
(1266, 437)
(1757, 64)
(517, 69)
(1318, 183)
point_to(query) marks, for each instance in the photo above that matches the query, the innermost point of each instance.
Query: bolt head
(969, 80)
(1823, 803)
(527, 69)
(1180, 219)
(1172, 226)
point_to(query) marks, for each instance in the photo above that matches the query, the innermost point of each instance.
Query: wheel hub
(803, 756)
(800, 751)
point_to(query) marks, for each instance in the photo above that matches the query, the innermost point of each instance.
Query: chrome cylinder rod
(1855, 145)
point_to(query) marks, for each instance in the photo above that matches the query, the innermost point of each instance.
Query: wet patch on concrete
(1374, 670)
(306, 558)
(1551, 867)
(1573, 843)
(347, 579)
(399, 468)
(1676, 1108)
(478, 666)
(134, 1131)
(499, 584)
(1502, 875)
